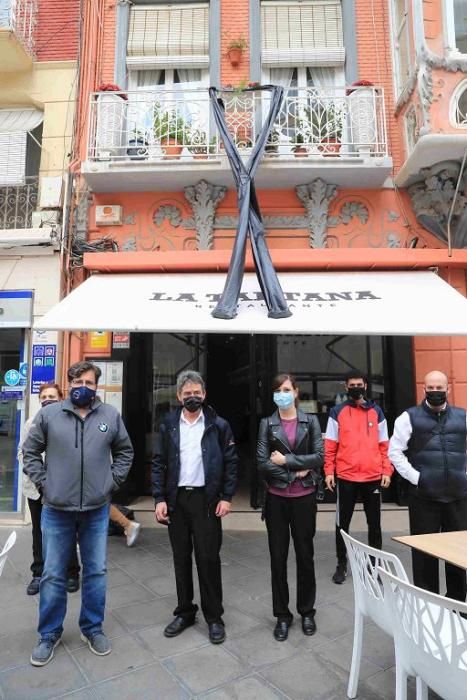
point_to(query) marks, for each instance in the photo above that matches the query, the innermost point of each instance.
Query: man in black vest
(428, 448)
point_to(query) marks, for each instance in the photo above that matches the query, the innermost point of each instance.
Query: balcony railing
(17, 202)
(20, 17)
(163, 125)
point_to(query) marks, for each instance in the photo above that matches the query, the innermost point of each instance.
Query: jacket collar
(365, 406)
(302, 428)
(67, 405)
(210, 416)
(275, 419)
(433, 413)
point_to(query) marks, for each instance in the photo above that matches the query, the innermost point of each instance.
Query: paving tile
(304, 676)
(334, 620)
(126, 594)
(127, 653)
(140, 615)
(238, 622)
(117, 577)
(162, 647)
(85, 694)
(383, 686)
(16, 651)
(112, 627)
(339, 653)
(60, 676)
(250, 688)
(145, 568)
(257, 648)
(148, 683)
(162, 585)
(204, 668)
(19, 619)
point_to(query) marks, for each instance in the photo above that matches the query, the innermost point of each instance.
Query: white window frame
(169, 83)
(460, 89)
(450, 29)
(397, 28)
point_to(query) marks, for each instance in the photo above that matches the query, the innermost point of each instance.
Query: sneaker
(132, 533)
(98, 643)
(43, 652)
(340, 574)
(33, 588)
(72, 585)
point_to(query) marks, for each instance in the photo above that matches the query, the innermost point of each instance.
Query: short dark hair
(80, 368)
(356, 374)
(50, 385)
(282, 377)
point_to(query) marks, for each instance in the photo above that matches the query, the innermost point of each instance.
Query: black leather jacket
(307, 454)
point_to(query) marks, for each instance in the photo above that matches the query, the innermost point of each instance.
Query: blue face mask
(283, 399)
(82, 396)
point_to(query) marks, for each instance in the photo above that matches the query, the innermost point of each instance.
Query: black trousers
(195, 526)
(296, 516)
(35, 507)
(432, 516)
(347, 493)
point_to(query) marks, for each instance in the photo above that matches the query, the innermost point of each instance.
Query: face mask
(192, 403)
(283, 399)
(82, 396)
(436, 398)
(46, 402)
(356, 392)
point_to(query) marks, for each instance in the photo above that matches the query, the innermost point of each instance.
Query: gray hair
(189, 376)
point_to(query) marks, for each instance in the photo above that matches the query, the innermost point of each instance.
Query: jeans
(59, 532)
(35, 508)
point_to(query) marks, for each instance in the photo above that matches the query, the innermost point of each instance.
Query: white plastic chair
(368, 595)
(430, 638)
(4, 553)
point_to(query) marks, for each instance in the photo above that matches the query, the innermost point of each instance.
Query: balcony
(17, 21)
(21, 225)
(17, 203)
(167, 139)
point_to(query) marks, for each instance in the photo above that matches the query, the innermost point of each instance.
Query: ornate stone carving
(81, 215)
(130, 244)
(169, 212)
(315, 198)
(432, 199)
(204, 199)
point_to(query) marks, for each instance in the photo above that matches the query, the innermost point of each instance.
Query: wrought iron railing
(161, 125)
(20, 16)
(17, 203)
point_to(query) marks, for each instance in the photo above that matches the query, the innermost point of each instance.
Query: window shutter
(169, 35)
(13, 157)
(307, 33)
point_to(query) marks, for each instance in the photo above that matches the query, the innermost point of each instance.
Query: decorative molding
(432, 198)
(204, 199)
(348, 211)
(129, 244)
(315, 198)
(169, 212)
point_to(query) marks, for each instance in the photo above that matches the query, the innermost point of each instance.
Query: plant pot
(300, 151)
(137, 149)
(172, 149)
(235, 56)
(329, 148)
(200, 156)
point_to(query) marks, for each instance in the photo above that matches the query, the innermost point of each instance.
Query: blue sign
(43, 366)
(23, 369)
(11, 395)
(12, 377)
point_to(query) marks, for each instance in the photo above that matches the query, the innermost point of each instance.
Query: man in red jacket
(356, 461)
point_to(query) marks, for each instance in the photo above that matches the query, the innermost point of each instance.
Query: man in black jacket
(428, 448)
(194, 475)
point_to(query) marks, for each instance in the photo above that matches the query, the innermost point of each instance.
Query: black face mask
(356, 392)
(436, 398)
(193, 403)
(47, 402)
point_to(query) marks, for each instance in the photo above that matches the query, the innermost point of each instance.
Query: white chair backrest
(368, 590)
(430, 636)
(4, 553)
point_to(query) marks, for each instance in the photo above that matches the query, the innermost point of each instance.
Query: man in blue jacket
(87, 455)
(194, 475)
(428, 448)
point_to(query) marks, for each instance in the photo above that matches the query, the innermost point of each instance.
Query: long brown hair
(279, 379)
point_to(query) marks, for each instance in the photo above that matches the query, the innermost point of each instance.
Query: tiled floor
(144, 665)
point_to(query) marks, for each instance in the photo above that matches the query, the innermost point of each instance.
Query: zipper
(82, 465)
(76, 433)
(443, 447)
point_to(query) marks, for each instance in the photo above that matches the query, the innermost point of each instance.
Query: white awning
(353, 303)
(14, 120)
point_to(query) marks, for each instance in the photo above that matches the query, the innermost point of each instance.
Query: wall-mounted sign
(12, 377)
(43, 366)
(15, 308)
(121, 341)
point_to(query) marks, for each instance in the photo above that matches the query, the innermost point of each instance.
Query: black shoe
(72, 585)
(178, 625)
(33, 588)
(308, 625)
(281, 630)
(340, 574)
(216, 632)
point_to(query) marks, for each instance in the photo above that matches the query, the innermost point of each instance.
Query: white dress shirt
(191, 458)
(397, 446)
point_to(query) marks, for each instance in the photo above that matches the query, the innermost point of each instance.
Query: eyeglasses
(82, 382)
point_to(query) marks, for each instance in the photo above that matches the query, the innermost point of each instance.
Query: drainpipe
(453, 204)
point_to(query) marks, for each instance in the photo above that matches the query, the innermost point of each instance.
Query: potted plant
(299, 150)
(272, 144)
(235, 49)
(138, 145)
(200, 145)
(331, 135)
(171, 130)
(362, 111)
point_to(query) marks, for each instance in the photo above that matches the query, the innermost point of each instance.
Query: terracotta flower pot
(172, 149)
(329, 148)
(300, 151)
(235, 56)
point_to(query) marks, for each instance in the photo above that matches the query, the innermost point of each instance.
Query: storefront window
(10, 343)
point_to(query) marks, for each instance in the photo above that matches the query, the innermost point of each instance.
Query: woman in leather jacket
(290, 459)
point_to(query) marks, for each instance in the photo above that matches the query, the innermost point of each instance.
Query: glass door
(11, 341)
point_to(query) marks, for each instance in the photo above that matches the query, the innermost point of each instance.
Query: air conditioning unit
(48, 217)
(50, 195)
(109, 215)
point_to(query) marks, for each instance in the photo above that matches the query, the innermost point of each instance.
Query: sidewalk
(144, 665)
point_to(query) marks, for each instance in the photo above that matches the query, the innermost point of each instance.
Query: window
(401, 43)
(456, 25)
(20, 137)
(458, 106)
